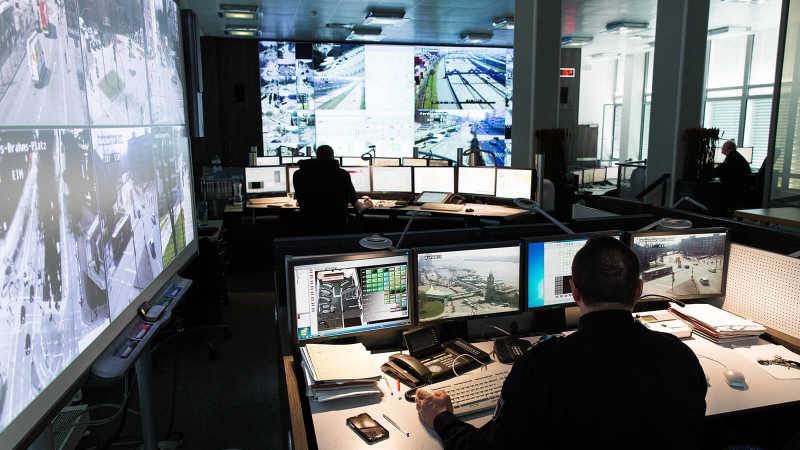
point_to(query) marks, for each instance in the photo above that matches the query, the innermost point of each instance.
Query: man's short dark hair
(324, 152)
(606, 271)
(730, 144)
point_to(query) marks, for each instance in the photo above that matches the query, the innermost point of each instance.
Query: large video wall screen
(95, 175)
(392, 97)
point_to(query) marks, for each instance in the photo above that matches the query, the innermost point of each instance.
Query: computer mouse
(469, 210)
(735, 379)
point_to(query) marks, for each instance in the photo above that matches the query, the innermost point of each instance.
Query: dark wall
(231, 102)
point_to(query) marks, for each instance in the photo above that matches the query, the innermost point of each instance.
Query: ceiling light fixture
(475, 37)
(242, 31)
(385, 17)
(730, 30)
(605, 55)
(371, 34)
(503, 23)
(624, 27)
(575, 41)
(239, 12)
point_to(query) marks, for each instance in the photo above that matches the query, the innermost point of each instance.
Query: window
(726, 62)
(765, 52)
(724, 114)
(756, 128)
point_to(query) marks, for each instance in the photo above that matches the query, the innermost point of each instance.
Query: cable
(453, 366)
(115, 435)
(500, 329)
(682, 304)
(712, 359)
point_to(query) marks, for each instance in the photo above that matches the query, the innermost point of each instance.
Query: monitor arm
(533, 207)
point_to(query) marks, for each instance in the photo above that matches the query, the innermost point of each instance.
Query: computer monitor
(548, 267)
(360, 177)
(467, 281)
(438, 179)
(588, 176)
(294, 159)
(354, 162)
(265, 180)
(292, 170)
(417, 162)
(683, 264)
(268, 161)
(439, 163)
(386, 162)
(579, 174)
(336, 295)
(476, 180)
(514, 183)
(599, 175)
(747, 152)
(391, 179)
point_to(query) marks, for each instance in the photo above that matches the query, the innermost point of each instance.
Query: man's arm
(299, 188)
(512, 415)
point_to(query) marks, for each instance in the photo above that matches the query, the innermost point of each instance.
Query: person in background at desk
(323, 190)
(733, 173)
(611, 384)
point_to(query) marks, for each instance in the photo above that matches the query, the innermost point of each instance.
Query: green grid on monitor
(392, 281)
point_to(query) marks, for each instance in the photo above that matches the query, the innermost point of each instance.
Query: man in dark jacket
(323, 190)
(733, 173)
(611, 384)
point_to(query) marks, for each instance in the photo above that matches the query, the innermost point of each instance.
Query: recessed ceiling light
(624, 27)
(475, 37)
(385, 17)
(371, 34)
(239, 12)
(503, 23)
(575, 41)
(242, 31)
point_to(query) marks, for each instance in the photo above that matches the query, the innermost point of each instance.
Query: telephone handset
(456, 199)
(411, 366)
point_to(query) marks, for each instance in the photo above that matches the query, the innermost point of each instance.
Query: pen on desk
(398, 385)
(388, 386)
(396, 425)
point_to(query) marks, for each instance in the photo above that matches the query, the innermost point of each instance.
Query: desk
(789, 216)
(329, 419)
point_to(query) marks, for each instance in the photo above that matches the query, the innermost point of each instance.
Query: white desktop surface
(332, 433)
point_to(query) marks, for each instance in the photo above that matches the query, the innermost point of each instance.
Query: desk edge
(299, 439)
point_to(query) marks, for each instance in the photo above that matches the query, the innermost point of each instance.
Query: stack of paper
(664, 322)
(339, 371)
(717, 325)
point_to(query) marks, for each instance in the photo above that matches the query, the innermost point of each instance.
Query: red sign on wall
(567, 72)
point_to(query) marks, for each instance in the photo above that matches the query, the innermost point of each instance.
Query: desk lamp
(532, 206)
(378, 242)
(668, 223)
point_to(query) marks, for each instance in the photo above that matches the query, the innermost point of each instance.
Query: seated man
(323, 190)
(733, 173)
(611, 384)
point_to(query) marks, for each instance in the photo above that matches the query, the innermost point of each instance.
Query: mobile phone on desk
(366, 427)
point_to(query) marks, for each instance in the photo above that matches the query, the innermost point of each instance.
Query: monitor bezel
(459, 247)
(397, 159)
(726, 252)
(292, 261)
(404, 159)
(497, 172)
(552, 238)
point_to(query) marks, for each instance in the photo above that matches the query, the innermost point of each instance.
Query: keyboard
(442, 207)
(472, 394)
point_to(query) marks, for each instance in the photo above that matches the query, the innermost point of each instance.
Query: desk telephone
(509, 348)
(431, 360)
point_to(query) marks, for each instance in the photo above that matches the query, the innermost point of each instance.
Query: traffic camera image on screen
(684, 265)
(96, 197)
(464, 283)
(351, 296)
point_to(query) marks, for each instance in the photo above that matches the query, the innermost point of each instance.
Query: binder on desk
(718, 325)
(338, 371)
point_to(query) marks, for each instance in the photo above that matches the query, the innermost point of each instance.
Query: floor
(232, 402)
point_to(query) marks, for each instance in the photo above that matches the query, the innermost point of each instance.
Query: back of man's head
(606, 271)
(324, 152)
(728, 147)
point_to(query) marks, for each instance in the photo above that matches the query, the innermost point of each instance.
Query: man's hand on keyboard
(431, 405)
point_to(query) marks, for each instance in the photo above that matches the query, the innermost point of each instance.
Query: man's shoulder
(665, 343)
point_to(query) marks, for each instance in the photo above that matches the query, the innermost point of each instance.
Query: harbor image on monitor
(549, 269)
(461, 283)
(339, 294)
(682, 265)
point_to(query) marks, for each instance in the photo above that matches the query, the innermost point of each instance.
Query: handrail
(661, 180)
(469, 152)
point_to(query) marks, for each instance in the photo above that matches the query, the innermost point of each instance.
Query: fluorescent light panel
(242, 31)
(385, 17)
(575, 41)
(472, 37)
(624, 27)
(503, 23)
(239, 12)
(371, 34)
